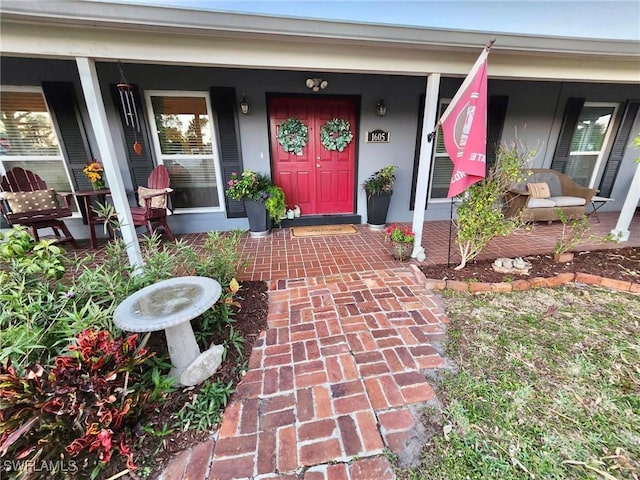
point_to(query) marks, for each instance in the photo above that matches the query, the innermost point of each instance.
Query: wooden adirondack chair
(154, 202)
(26, 200)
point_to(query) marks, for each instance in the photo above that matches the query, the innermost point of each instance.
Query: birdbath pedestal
(170, 305)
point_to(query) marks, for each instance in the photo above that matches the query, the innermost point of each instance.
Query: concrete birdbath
(170, 305)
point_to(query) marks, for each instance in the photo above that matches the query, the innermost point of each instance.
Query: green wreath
(336, 134)
(293, 135)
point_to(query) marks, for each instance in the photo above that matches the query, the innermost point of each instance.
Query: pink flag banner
(464, 128)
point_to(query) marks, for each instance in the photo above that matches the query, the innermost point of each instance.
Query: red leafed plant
(80, 409)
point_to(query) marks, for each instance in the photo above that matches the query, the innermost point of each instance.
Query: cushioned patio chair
(153, 202)
(26, 200)
(545, 191)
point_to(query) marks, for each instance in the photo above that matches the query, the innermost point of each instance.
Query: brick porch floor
(338, 374)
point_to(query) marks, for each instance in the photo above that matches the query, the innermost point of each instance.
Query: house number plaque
(377, 136)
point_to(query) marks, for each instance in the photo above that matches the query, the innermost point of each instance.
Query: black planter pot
(377, 208)
(259, 220)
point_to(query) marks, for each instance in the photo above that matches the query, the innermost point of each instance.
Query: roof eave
(195, 22)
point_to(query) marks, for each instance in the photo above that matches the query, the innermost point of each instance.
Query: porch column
(100, 124)
(621, 231)
(424, 163)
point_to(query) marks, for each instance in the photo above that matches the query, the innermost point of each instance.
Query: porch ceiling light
(316, 84)
(381, 107)
(244, 105)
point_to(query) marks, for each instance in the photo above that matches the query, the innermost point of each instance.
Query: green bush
(480, 213)
(44, 307)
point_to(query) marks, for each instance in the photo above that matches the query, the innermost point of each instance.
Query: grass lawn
(547, 386)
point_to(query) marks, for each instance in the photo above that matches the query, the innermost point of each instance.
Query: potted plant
(264, 202)
(572, 232)
(378, 189)
(402, 241)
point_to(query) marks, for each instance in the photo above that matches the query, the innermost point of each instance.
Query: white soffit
(104, 31)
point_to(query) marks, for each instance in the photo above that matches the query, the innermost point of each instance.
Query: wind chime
(128, 103)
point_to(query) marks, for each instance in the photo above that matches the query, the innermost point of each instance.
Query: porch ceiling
(106, 31)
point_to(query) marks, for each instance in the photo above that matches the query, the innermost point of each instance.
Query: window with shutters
(28, 138)
(183, 139)
(442, 165)
(589, 141)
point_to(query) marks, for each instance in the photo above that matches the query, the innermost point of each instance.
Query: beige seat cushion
(539, 190)
(540, 203)
(564, 201)
(156, 202)
(23, 202)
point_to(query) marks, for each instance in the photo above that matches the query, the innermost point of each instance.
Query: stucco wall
(534, 116)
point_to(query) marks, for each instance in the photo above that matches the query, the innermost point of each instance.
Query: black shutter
(618, 149)
(496, 113)
(223, 100)
(569, 122)
(61, 98)
(141, 165)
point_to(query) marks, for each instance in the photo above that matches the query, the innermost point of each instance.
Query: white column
(621, 231)
(424, 164)
(100, 124)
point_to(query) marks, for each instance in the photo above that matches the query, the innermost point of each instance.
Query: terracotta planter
(563, 257)
(402, 250)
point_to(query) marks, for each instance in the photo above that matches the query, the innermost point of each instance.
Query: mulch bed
(250, 320)
(618, 264)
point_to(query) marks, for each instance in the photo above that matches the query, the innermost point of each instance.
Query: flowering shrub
(257, 186)
(400, 234)
(380, 182)
(94, 171)
(248, 184)
(79, 408)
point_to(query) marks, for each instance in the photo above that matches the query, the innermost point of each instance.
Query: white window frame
(214, 144)
(605, 141)
(36, 158)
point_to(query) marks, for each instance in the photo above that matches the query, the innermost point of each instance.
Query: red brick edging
(522, 284)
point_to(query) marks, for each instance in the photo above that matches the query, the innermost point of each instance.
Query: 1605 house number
(377, 136)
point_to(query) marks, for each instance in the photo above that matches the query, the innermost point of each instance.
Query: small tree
(572, 232)
(481, 214)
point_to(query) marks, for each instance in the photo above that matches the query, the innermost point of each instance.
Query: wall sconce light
(316, 84)
(244, 105)
(381, 108)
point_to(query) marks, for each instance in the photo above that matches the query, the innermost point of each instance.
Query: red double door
(320, 181)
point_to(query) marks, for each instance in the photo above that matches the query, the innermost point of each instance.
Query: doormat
(321, 230)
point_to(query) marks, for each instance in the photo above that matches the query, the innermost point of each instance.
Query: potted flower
(264, 202)
(402, 241)
(94, 171)
(378, 189)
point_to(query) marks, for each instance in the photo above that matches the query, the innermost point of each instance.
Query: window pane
(580, 168)
(442, 170)
(587, 143)
(442, 165)
(183, 125)
(25, 125)
(591, 129)
(184, 137)
(194, 182)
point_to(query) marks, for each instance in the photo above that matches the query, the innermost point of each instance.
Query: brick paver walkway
(339, 375)
(330, 382)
